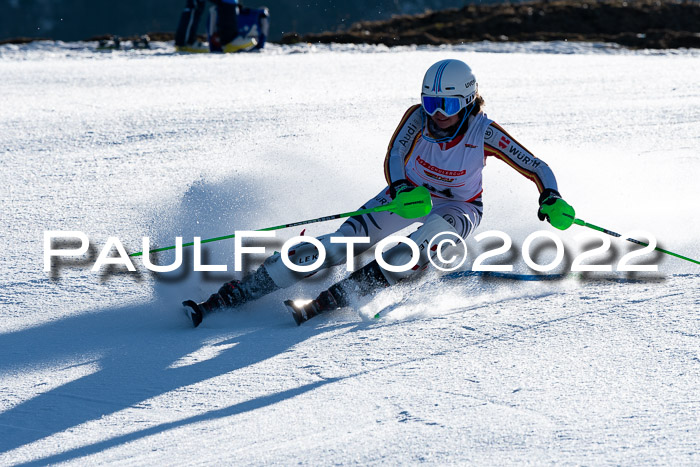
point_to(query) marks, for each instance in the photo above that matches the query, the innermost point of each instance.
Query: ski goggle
(449, 105)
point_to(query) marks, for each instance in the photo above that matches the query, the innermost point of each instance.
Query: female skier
(441, 144)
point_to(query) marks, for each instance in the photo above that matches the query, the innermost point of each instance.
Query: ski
(304, 310)
(463, 274)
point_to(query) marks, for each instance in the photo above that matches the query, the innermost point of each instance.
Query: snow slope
(103, 367)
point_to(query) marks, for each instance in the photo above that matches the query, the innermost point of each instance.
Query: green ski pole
(410, 205)
(615, 234)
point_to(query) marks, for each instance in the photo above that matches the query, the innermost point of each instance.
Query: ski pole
(615, 234)
(409, 205)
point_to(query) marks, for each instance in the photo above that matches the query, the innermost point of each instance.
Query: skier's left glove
(554, 209)
(398, 186)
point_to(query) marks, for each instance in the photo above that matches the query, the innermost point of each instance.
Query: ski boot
(361, 282)
(195, 47)
(231, 295)
(193, 312)
(240, 44)
(305, 310)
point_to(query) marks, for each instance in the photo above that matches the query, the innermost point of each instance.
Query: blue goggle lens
(448, 105)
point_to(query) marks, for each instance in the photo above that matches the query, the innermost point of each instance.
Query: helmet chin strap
(446, 138)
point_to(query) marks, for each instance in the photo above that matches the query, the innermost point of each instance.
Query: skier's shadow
(136, 349)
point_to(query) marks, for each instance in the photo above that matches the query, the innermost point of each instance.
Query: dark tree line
(71, 20)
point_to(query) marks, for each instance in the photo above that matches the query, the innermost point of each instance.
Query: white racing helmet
(448, 87)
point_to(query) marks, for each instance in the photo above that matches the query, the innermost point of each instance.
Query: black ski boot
(231, 295)
(193, 312)
(305, 310)
(361, 282)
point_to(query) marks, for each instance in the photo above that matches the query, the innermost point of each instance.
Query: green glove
(558, 212)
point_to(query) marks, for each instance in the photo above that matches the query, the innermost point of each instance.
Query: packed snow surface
(97, 367)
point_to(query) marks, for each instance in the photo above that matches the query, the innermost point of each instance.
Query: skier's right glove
(558, 212)
(398, 186)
